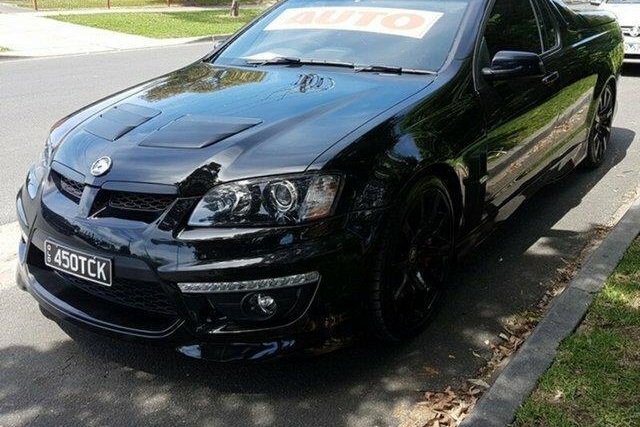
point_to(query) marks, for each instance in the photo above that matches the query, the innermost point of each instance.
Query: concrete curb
(498, 406)
(213, 39)
(32, 35)
(7, 56)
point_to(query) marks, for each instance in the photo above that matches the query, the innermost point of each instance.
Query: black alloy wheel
(413, 262)
(600, 134)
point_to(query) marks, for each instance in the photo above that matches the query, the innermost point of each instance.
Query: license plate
(632, 47)
(86, 266)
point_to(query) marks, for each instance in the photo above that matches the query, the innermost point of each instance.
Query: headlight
(47, 153)
(268, 201)
(38, 170)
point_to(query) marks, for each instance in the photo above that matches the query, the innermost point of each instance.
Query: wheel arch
(600, 86)
(450, 177)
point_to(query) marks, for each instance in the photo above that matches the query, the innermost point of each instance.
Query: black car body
(309, 170)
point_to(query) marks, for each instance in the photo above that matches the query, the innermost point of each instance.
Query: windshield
(412, 34)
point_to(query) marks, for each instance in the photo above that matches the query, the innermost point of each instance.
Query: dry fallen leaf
(479, 382)
(449, 407)
(431, 372)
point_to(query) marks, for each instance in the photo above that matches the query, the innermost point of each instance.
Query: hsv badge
(101, 166)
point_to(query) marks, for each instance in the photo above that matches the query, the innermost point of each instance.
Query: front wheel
(600, 134)
(413, 262)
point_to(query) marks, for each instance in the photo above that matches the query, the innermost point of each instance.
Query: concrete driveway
(32, 34)
(47, 378)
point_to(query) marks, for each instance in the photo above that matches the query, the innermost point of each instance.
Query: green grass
(78, 4)
(3, 49)
(164, 25)
(595, 379)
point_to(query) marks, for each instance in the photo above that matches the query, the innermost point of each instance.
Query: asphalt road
(46, 378)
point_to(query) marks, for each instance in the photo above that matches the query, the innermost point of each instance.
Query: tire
(600, 133)
(412, 262)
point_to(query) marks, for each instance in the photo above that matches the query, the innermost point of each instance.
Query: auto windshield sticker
(381, 20)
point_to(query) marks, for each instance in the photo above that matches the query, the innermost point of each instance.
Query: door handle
(550, 78)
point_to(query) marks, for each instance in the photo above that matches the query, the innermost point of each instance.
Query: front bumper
(151, 258)
(177, 334)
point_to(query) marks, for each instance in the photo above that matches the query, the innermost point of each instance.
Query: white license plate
(80, 264)
(632, 47)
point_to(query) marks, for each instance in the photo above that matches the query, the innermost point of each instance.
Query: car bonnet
(233, 123)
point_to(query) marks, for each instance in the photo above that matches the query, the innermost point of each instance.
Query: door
(573, 90)
(519, 112)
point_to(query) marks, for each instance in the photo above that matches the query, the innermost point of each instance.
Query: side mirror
(508, 65)
(596, 2)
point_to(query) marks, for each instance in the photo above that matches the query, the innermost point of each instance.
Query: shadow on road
(361, 385)
(631, 69)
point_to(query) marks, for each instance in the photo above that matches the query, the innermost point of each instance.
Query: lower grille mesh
(140, 201)
(142, 295)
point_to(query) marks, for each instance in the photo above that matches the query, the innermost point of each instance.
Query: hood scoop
(117, 121)
(193, 131)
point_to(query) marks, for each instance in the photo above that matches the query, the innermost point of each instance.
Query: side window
(512, 25)
(549, 26)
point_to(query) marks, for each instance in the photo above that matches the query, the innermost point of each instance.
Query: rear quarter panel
(592, 54)
(599, 40)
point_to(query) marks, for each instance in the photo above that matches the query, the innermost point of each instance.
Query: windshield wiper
(276, 60)
(290, 60)
(390, 70)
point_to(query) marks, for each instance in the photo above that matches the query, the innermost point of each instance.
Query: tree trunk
(235, 8)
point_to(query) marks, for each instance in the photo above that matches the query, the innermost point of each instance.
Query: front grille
(68, 187)
(71, 187)
(132, 293)
(140, 201)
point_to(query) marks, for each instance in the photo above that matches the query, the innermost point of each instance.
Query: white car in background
(628, 14)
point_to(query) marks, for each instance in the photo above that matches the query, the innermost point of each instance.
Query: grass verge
(3, 49)
(166, 25)
(595, 379)
(81, 4)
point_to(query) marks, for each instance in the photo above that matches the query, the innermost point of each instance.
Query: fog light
(250, 285)
(261, 306)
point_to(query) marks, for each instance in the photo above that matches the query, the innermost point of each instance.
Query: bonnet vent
(117, 121)
(197, 131)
